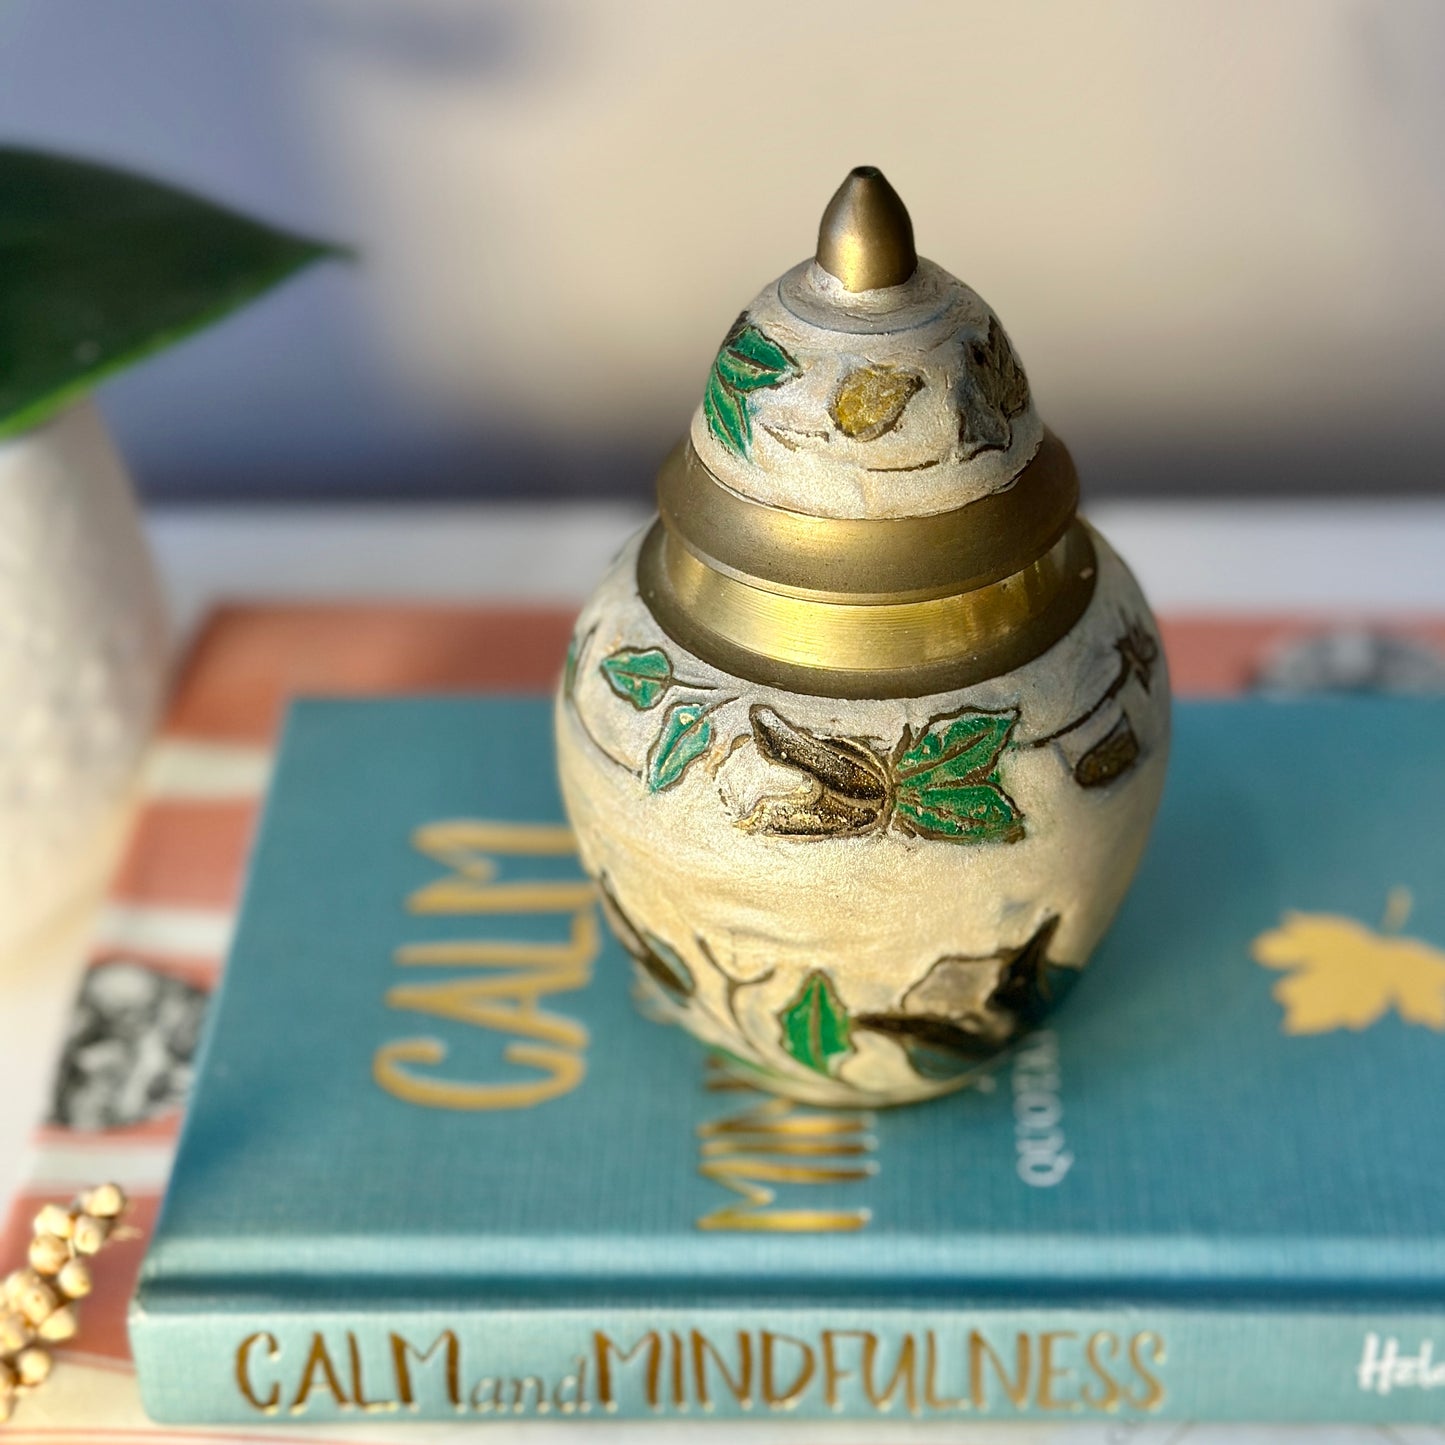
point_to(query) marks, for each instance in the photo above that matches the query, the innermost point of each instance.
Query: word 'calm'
(508, 980)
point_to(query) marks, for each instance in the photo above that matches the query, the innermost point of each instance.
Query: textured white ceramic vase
(83, 657)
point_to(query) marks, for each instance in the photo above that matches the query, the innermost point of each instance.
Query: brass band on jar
(851, 649)
(882, 559)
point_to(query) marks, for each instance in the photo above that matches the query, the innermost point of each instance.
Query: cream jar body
(886, 960)
(863, 738)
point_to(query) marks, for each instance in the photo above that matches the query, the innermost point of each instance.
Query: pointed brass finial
(865, 238)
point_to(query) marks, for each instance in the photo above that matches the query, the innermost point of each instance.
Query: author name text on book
(1384, 1367)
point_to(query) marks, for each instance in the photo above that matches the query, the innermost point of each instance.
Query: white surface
(1222, 558)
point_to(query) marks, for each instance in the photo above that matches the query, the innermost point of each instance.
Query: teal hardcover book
(438, 1164)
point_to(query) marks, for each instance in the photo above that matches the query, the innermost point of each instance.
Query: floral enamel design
(747, 361)
(941, 781)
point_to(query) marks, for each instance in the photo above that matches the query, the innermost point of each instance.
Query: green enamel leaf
(763, 351)
(686, 734)
(959, 812)
(642, 677)
(747, 361)
(99, 268)
(946, 783)
(958, 748)
(740, 374)
(727, 416)
(815, 1025)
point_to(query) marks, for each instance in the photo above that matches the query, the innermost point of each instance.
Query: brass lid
(867, 503)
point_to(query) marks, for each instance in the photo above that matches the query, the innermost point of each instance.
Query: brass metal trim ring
(867, 560)
(859, 649)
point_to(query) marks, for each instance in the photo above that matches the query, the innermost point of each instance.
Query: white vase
(83, 661)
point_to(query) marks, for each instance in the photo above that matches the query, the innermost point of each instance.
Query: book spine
(251, 1365)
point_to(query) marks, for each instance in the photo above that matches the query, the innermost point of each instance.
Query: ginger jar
(862, 737)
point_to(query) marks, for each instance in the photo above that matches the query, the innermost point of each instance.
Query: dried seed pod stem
(32, 1366)
(90, 1234)
(105, 1202)
(16, 1332)
(54, 1219)
(39, 1303)
(59, 1326)
(48, 1252)
(74, 1279)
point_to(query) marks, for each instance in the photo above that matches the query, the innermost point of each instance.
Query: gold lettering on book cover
(604, 1349)
(466, 845)
(920, 1373)
(931, 1398)
(403, 1353)
(904, 1377)
(515, 975)
(272, 1401)
(785, 1399)
(1052, 1373)
(1094, 1352)
(739, 1382)
(772, 1142)
(319, 1366)
(1016, 1388)
(358, 1385)
(578, 953)
(1153, 1395)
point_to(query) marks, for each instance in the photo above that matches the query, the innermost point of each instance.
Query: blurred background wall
(1215, 231)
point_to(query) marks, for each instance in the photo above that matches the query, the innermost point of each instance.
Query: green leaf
(958, 748)
(686, 734)
(99, 268)
(740, 374)
(640, 677)
(747, 361)
(946, 784)
(727, 416)
(815, 1025)
(750, 343)
(959, 813)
